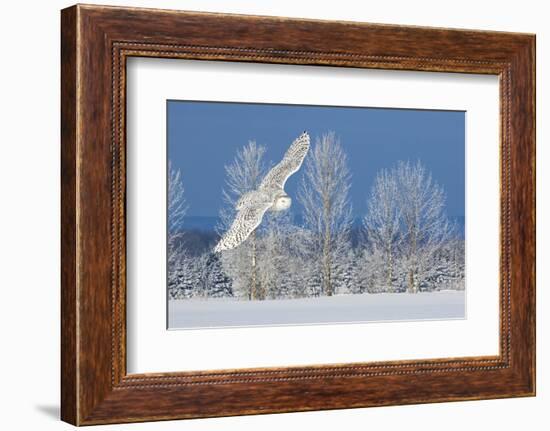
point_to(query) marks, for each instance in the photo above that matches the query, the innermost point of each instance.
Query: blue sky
(203, 137)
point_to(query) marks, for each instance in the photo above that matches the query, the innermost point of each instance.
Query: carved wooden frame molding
(96, 41)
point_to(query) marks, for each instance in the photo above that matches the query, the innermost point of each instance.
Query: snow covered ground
(213, 313)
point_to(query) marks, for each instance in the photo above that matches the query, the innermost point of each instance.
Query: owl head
(282, 202)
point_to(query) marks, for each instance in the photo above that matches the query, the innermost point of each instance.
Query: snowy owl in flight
(270, 195)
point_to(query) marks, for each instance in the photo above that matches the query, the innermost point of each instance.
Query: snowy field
(215, 313)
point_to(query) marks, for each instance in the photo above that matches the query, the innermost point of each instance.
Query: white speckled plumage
(270, 195)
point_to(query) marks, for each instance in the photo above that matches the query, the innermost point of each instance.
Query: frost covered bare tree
(243, 174)
(409, 238)
(176, 213)
(382, 224)
(426, 227)
(324, 196)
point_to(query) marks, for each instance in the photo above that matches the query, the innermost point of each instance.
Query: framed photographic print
(319, 215)
(366, 225)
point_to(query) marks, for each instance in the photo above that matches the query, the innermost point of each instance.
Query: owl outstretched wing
(248, 218)
(292, 160)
